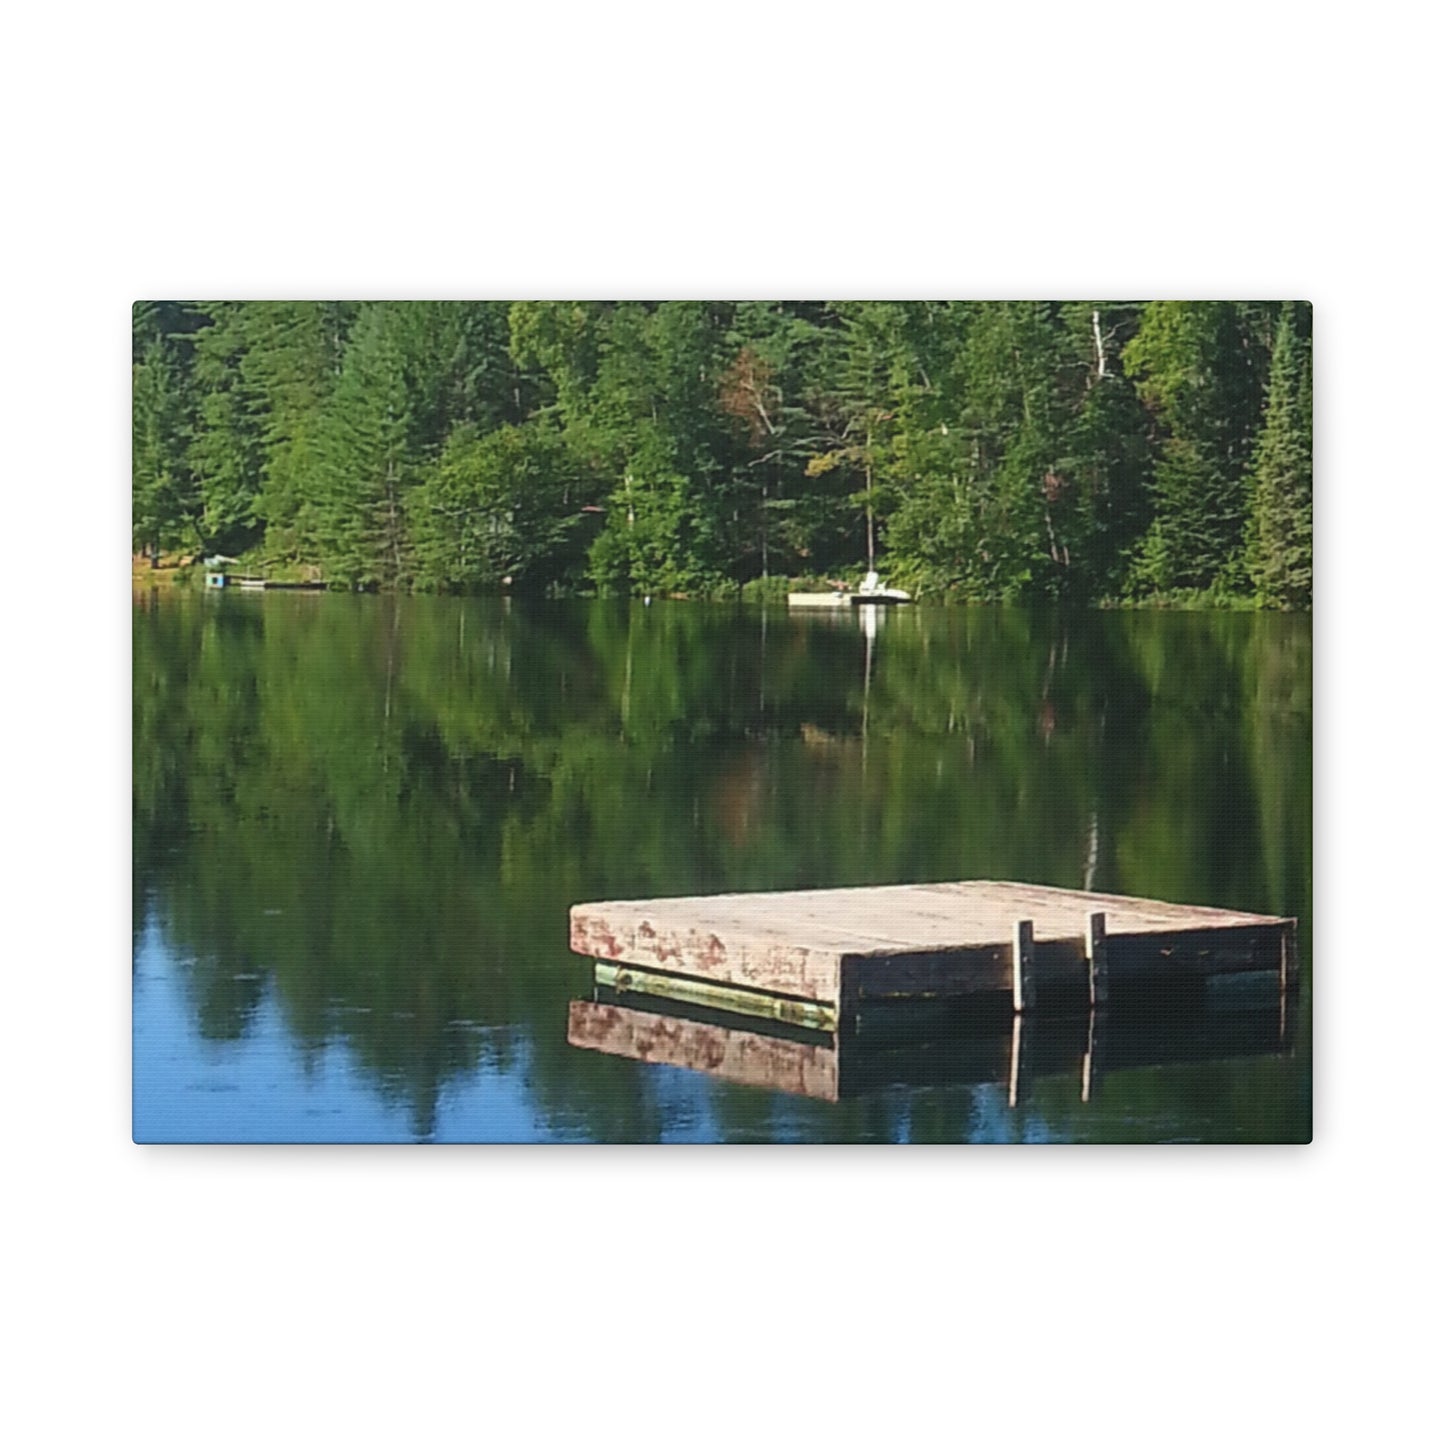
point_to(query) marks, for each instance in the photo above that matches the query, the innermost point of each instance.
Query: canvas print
(722, 721)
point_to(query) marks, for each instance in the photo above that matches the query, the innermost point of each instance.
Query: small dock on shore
(260, 584)
(869, 593)
(815, 957)
(887, 597)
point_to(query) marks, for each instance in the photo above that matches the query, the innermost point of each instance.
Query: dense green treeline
(985, 451)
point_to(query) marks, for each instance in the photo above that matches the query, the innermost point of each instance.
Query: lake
(359, 823)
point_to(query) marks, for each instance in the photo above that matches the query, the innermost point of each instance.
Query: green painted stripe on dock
(803, 1013)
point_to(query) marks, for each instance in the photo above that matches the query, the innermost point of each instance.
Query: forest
(1092, 453)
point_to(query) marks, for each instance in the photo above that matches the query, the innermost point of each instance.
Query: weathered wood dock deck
(810, 957)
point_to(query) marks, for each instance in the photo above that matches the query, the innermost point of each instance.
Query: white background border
(757, 150)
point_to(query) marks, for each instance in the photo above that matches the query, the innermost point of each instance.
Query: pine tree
(1018, 425)
(1197, 371)
(365, 469)
(1107, 463)
(166, 504)
(225, 447)
(293, 358)
(867, 364)
(1280, 556)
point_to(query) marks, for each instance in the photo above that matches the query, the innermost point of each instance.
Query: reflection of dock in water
(921, 1045)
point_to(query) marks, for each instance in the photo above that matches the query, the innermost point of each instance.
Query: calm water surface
(359, 823)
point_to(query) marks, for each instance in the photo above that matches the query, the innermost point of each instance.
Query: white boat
(870, 593)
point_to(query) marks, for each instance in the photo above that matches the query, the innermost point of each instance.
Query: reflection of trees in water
(381, 808)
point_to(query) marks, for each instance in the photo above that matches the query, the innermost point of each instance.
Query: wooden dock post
(1288, 956)
(1288, 975)
(1023, 965)
(1096, 949)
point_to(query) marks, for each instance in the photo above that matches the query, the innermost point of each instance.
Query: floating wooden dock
(810, 958)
